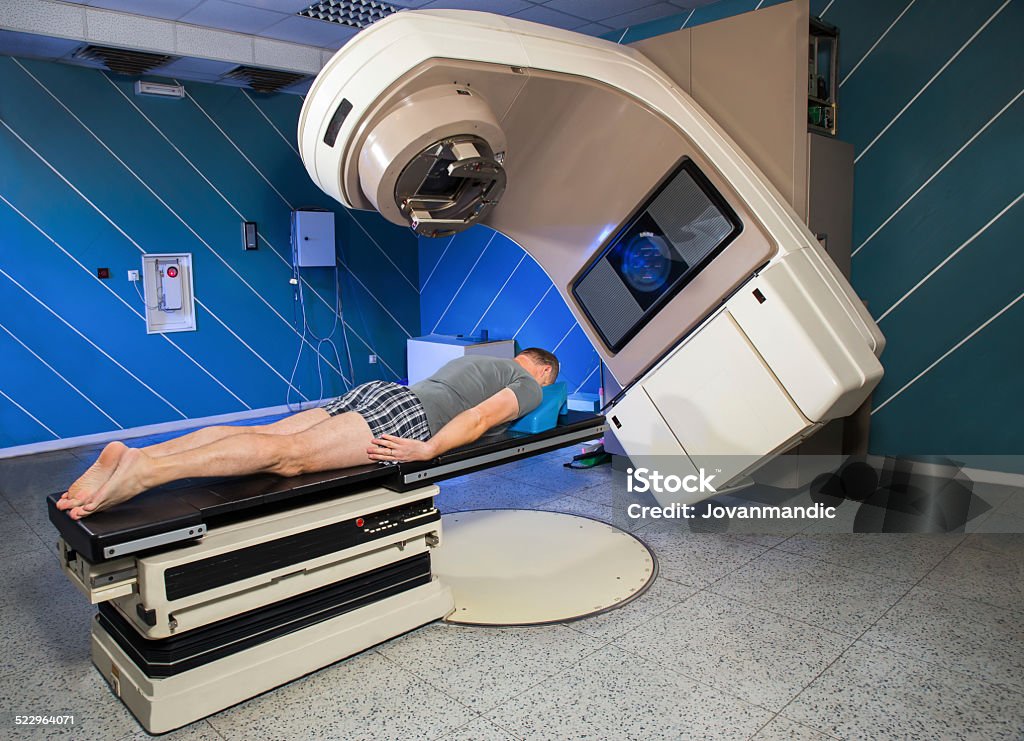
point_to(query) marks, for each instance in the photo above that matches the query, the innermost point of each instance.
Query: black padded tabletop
(492, 450)
(184, 510)
(168, 514)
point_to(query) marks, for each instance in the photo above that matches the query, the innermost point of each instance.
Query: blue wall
(931, 98)
(480, 279)
(74, 355)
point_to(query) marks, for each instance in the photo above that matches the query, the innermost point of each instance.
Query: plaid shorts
(388, 408)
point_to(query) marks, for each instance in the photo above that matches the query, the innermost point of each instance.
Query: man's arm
(463, 429)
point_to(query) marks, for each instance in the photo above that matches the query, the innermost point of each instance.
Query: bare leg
(81, 492)
(336, 442)
(285, 426)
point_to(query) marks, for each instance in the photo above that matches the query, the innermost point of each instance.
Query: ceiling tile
(642, 15)
(549, 17)
(593, 29)
(232, 17)
(125, 29)
(196, 41)
(310, 31)
(502, 7)
(281, 6)
(168, 9)
(285, 55)
(595, 10)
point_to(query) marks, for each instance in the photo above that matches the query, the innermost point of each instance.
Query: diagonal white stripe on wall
(281, 196)
(946, 354)
(57, 373)
(532, 312)
(463, 283)
(438, 263)
(116, 295)
(584, 381)
(930, 81)
(191, 164)
(285, 261)
(99, 349)
(142, 251)
(245, 344)
(877, 42)
(272, 124)
(27, 412)
(935, 174)
(496, 294)
(953, 254)
(565, 337)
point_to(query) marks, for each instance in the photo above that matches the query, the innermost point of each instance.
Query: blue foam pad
(545, 416)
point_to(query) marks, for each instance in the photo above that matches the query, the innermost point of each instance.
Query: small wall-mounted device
(313, 238)
(250, 239)
(159, 89)
(168, 292)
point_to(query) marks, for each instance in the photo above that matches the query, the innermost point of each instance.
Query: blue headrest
(545, 416)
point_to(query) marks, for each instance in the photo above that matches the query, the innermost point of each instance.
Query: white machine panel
(723, 404)
(168, 292)
(821, 360)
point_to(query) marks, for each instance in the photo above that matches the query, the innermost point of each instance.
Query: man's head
(540, 364)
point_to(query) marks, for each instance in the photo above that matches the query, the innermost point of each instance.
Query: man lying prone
(377, 421)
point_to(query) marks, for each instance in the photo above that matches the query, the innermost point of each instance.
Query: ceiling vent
(354, 13)
(123, 61)
(265, 80)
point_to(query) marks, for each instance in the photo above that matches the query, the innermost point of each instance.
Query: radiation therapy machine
(731, 333)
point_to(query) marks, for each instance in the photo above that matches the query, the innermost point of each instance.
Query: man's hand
(391, 449)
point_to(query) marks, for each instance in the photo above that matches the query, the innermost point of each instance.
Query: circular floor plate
(526, 567)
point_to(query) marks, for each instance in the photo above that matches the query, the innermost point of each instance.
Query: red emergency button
(359, 522)
(172, 272)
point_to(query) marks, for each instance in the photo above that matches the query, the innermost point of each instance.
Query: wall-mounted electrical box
(168, 292)
(313, 239)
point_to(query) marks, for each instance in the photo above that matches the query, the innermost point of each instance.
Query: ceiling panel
(596, 10)
(281, 6)
(550, 17)
(232, 17)
(502, 7)
(304, 30)
(268, 23)
(642, 15)
(168, 9)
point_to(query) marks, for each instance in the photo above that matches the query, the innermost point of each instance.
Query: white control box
(168, 292)
(313, 239)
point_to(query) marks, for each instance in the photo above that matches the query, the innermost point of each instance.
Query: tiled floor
(788, 636)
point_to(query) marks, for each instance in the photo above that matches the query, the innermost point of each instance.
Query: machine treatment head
(432, 159)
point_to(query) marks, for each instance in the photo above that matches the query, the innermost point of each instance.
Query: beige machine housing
(761, 343)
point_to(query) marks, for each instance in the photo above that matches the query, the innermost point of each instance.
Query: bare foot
(85, 487)
(127, 480)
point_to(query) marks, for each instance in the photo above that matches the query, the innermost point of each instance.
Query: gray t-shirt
(463, 383)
